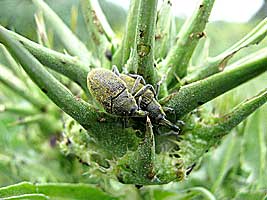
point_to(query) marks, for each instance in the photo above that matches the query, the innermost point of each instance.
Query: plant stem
(28, 120)
(240, 112)
(216, 64)
(163, 30)
(41, 30)
(18, 110)
(103, 20)
(12, 63)
(203, 191)
(123, 53)
(145, 36)
(64, 64)
(70, 41)
(195, 94)
(13, 83)
(96, 35)
(81, 111)
(190, 34)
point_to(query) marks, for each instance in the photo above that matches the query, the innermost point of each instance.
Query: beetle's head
(125, 105)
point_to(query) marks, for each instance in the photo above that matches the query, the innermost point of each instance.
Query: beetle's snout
(160, 117)
(166, 122)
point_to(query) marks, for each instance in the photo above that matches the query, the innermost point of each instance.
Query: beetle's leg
(169, 133)
(138, 79)
(136, 76)
(144, 89)
(168, 109)
(115, 70)
(171, 110)
(163, 78)
(139, 102)
(180, 122)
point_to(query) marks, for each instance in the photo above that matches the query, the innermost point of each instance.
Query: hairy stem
(63, 64)
(96, 35)
(163, 30)
(216, 64)
(13, 83)
(129, 36)
(81, 111)
(240, 112)
(70, 41)
(195, 94)
(145, 34)
(190, 34)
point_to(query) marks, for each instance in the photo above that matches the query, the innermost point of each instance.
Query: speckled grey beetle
(126, 95)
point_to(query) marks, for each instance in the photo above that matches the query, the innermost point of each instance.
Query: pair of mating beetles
(126, 95)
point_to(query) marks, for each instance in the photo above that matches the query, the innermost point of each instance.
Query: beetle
(126, 95)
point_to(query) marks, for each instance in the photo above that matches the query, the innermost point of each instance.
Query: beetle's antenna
(115, 70)
(172, 126)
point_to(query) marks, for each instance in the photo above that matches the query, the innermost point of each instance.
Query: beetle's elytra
(111, 92)
(126, 95)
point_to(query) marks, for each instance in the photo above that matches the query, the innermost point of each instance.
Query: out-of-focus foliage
(18, 15)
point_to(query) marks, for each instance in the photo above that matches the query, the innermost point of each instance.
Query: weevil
(112, 93)
(126, 95)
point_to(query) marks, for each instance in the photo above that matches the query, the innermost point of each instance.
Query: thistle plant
(132, 150)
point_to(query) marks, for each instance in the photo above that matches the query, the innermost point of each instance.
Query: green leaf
(55, 190)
